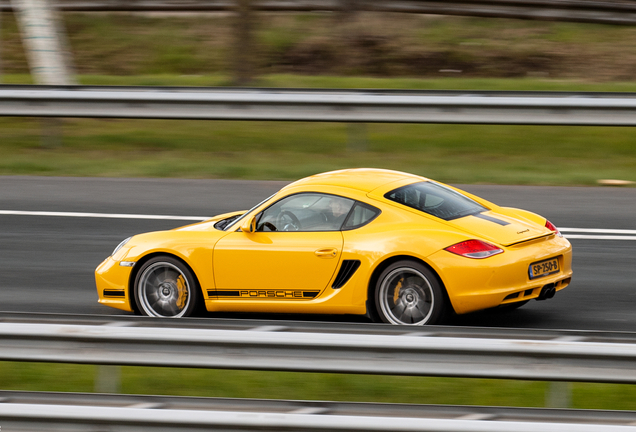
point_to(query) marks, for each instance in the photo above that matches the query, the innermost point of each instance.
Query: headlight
(120, 245)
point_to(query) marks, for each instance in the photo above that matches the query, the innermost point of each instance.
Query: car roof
(364, 179)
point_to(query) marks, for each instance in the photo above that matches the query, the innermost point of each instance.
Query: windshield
(436, 200)
(235, 221)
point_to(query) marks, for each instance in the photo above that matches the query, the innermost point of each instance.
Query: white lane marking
(476, 416)
(101, 215)
(598, 230)
(589, 232)
(598, 233)
(598, 237)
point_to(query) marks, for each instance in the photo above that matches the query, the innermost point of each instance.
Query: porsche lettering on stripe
(278, 294)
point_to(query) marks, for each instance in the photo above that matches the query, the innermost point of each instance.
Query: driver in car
(339, 210)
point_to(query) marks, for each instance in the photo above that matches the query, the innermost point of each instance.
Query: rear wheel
(408, 293)
(165, 287)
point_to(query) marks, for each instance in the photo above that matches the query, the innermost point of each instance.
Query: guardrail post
(357, 137)
(558, 394)
(51, 132)
(107, 379)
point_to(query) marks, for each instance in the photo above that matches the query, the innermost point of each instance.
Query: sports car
(399, 248)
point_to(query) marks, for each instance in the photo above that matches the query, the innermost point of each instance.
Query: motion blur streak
(101, 215)
(622, 234)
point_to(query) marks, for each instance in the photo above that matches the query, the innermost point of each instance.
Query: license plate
(544, 268)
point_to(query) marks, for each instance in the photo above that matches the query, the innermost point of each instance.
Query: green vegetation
(316, 50)
(372, 44)
(285, 150)
(336, 387)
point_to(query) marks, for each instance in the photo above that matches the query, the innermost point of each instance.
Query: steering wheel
(269, 225)
(287, 221)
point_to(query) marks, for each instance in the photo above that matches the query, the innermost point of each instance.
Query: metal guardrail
(306, 346)
(53, 411)
(320, 324)
(415, 352)
(527, 108)
(55, 417)
(590, 11)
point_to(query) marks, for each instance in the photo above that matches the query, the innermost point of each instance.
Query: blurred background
(337, 44)
(342, 44)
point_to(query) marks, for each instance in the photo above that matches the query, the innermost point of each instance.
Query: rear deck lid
(499, 228)
(464, 213)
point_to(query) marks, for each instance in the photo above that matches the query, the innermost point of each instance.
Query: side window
(361, 215)
(305, 212)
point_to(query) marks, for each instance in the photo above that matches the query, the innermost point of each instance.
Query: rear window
(436, 200)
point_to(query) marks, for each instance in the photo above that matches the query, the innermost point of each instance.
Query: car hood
(500, 228)
(208, 225)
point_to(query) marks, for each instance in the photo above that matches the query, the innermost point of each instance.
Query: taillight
(474, 249)
(549, 225)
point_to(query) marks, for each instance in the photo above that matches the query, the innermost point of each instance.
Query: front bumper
(111, 280)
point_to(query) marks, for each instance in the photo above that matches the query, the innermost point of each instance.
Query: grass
(347, 82)
(286, 150)
(390, 51)
(336, 387)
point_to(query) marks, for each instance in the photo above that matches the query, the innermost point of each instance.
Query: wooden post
(243, 43)
(347, 9)
(0, 46)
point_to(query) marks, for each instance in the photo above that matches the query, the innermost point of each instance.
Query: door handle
(326, 253)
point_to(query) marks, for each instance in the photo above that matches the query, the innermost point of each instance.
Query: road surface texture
(47, 261)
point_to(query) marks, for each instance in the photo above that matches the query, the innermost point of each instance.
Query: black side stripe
(491, 219)
(347, 269)
(224, 293)
(280, 294)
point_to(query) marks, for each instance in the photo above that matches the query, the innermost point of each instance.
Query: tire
(408, 293)
(165, 287)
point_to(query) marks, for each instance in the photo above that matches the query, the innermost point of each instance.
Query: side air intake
(347, 269)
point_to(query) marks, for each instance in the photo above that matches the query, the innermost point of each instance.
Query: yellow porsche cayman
(400, 248)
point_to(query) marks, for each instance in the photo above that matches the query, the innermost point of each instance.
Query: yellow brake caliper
(396, 293)
(183, 292)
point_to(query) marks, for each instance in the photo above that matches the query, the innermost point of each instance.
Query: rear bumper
(474, 284)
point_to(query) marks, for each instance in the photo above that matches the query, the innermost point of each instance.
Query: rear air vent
(347, 269)
(511, 296)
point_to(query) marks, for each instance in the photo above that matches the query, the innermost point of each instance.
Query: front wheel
(408, 293)
(165, 287)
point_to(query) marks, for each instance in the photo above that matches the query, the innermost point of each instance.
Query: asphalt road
(47, 262)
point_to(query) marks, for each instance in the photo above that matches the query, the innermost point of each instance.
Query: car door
(292, 254)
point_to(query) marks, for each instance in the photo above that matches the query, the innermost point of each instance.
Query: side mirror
(249, 225)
